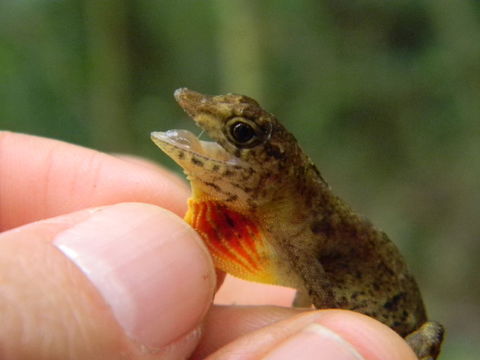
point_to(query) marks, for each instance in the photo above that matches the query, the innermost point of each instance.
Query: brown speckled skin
(338, 258)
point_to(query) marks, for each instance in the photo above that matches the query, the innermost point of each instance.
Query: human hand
(86, 275)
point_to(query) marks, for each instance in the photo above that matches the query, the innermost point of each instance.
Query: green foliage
(384, 96)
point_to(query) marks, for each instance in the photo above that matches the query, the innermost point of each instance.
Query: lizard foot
(426, 340)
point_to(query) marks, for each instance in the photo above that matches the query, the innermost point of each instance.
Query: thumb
(126, 281)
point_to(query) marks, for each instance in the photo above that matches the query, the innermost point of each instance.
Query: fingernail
(149, 267)
(315, 342)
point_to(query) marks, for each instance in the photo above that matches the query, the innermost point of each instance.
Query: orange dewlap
(234, 240)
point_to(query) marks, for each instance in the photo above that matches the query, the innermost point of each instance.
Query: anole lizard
(267, 215)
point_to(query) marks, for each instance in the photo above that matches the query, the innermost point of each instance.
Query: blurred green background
(384, 95)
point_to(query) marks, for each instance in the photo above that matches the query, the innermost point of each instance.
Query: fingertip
(315, 342)
(153, 166)
(128, 279)
(148, 264)
(321, 334)
(372, 339)
(62, 178)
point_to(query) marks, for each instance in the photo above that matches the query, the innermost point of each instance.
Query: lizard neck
(319, 219)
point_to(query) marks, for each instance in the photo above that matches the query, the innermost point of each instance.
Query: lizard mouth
(186, 141)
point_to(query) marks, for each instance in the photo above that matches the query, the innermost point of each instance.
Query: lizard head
(250, 149)
(240, 181)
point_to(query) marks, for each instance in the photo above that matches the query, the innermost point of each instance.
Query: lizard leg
(302, 299)
(316, 286)
(426, 340)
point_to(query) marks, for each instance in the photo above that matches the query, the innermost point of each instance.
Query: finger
(42, 178)
(241, 292)
(324, 334)
(126, 281)
(225, 324)
(136, 160)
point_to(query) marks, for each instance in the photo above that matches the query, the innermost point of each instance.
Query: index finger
(42, 178)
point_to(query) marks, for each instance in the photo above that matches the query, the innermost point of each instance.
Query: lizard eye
(242, 132)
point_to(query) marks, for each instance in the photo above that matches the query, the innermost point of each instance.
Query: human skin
(96, 262)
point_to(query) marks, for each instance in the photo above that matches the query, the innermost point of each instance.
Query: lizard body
(267, 215)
